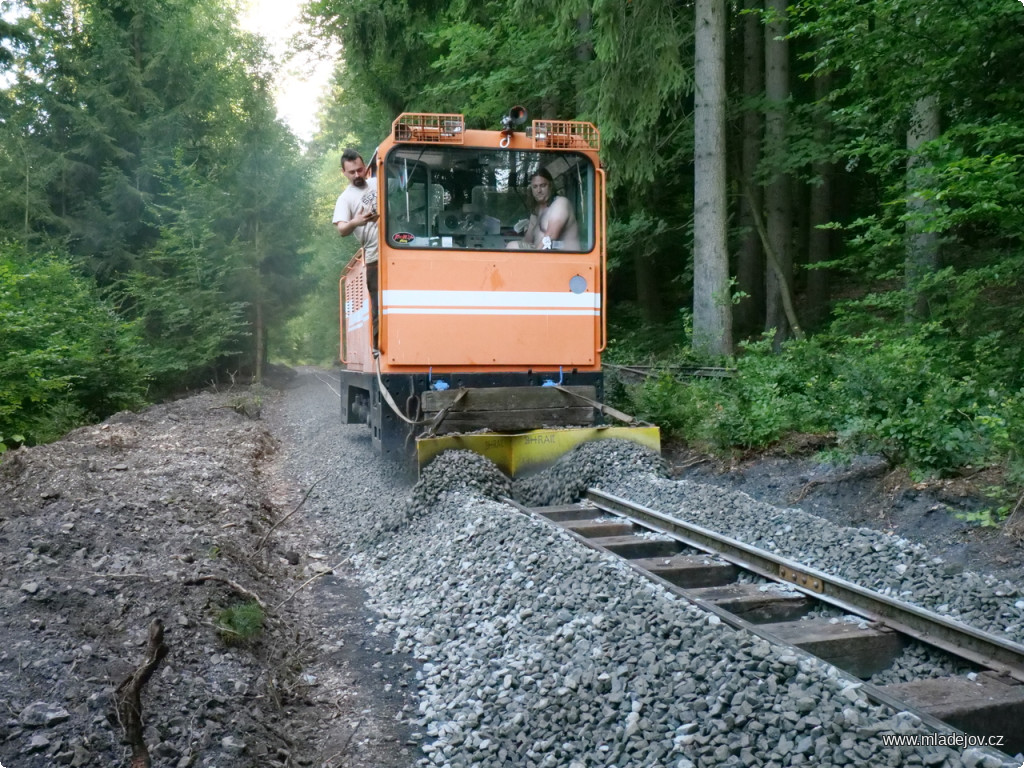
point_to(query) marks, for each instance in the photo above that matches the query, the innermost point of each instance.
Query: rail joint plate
(801, 579)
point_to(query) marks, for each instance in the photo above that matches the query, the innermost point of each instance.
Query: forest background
(161, 229)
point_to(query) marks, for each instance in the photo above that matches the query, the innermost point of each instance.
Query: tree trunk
(648, 289)
(777, 193)
(750, 265)
(584, 55)
(28, 188)
(712, 311)
(922, 247)
(819, 241)
(257, 375)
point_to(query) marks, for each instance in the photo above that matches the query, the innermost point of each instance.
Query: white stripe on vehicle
(488, 311)
(493, 299)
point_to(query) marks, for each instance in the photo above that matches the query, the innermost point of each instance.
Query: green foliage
(65, 355)
(913, 398)
(144, 138)
(485, 55)
(13, 438)
(675, 407)
(986, 518)
(240, 624)
(178, 294)
(312, 335)
(632, 341)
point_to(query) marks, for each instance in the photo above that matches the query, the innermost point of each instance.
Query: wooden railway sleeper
(990, 705)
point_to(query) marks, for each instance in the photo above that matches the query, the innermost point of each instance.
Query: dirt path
(159, 517)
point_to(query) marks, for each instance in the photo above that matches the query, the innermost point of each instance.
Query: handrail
(378, 300)
(603, 269)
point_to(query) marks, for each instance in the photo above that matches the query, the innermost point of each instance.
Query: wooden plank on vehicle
(514, 420)
(506, 398)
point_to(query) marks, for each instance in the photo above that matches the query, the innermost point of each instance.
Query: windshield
(456, 197)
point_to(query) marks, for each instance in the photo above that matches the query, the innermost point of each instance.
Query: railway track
(789, 604)
(679, 372)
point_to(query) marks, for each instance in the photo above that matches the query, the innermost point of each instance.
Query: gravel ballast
(537, 651)
(887, 564)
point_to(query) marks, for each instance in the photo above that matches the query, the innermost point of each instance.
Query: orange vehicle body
(461, 303)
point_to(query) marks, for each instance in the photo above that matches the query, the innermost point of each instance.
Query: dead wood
(309, 581)
(234, 585)
(283, 519)
(344, 747)
(128, 696)
(1014, 527)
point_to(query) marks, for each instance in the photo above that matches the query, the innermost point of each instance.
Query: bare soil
(164, 516)
(168, 515)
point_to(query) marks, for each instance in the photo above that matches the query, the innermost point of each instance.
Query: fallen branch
(128, 696)
(309, 581)
(283, 519)
(344, 747)
(692, 462)
(1013, 527)
(234, 585)
(785, 291)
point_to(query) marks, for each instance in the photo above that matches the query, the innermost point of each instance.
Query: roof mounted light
(515, 118)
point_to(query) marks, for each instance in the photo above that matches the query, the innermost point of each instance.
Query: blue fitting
(550, 383)
(440, 386)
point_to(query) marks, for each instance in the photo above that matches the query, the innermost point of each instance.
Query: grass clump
(241, 623)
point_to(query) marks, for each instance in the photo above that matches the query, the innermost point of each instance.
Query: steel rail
(983, 648)
(873, 692)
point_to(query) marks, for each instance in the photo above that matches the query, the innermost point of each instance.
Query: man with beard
(356, 213)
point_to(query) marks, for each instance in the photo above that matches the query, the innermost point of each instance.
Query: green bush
(65, 355)
(916, 398)
(241, 623)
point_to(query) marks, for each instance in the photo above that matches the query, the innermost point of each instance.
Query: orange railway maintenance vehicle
(485, 343)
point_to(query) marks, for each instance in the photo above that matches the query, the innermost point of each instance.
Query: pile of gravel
(887, 564)
(586, 465)
(538, 651)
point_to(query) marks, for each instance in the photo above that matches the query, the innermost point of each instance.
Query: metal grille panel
(429, 128)
(355, 293)
(565, 134)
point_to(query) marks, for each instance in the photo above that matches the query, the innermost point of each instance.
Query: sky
(303, 78)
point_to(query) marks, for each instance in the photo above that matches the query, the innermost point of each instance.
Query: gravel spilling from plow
(533, 650)
(538, 651)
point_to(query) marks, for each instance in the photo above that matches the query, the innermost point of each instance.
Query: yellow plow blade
(524, 452)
